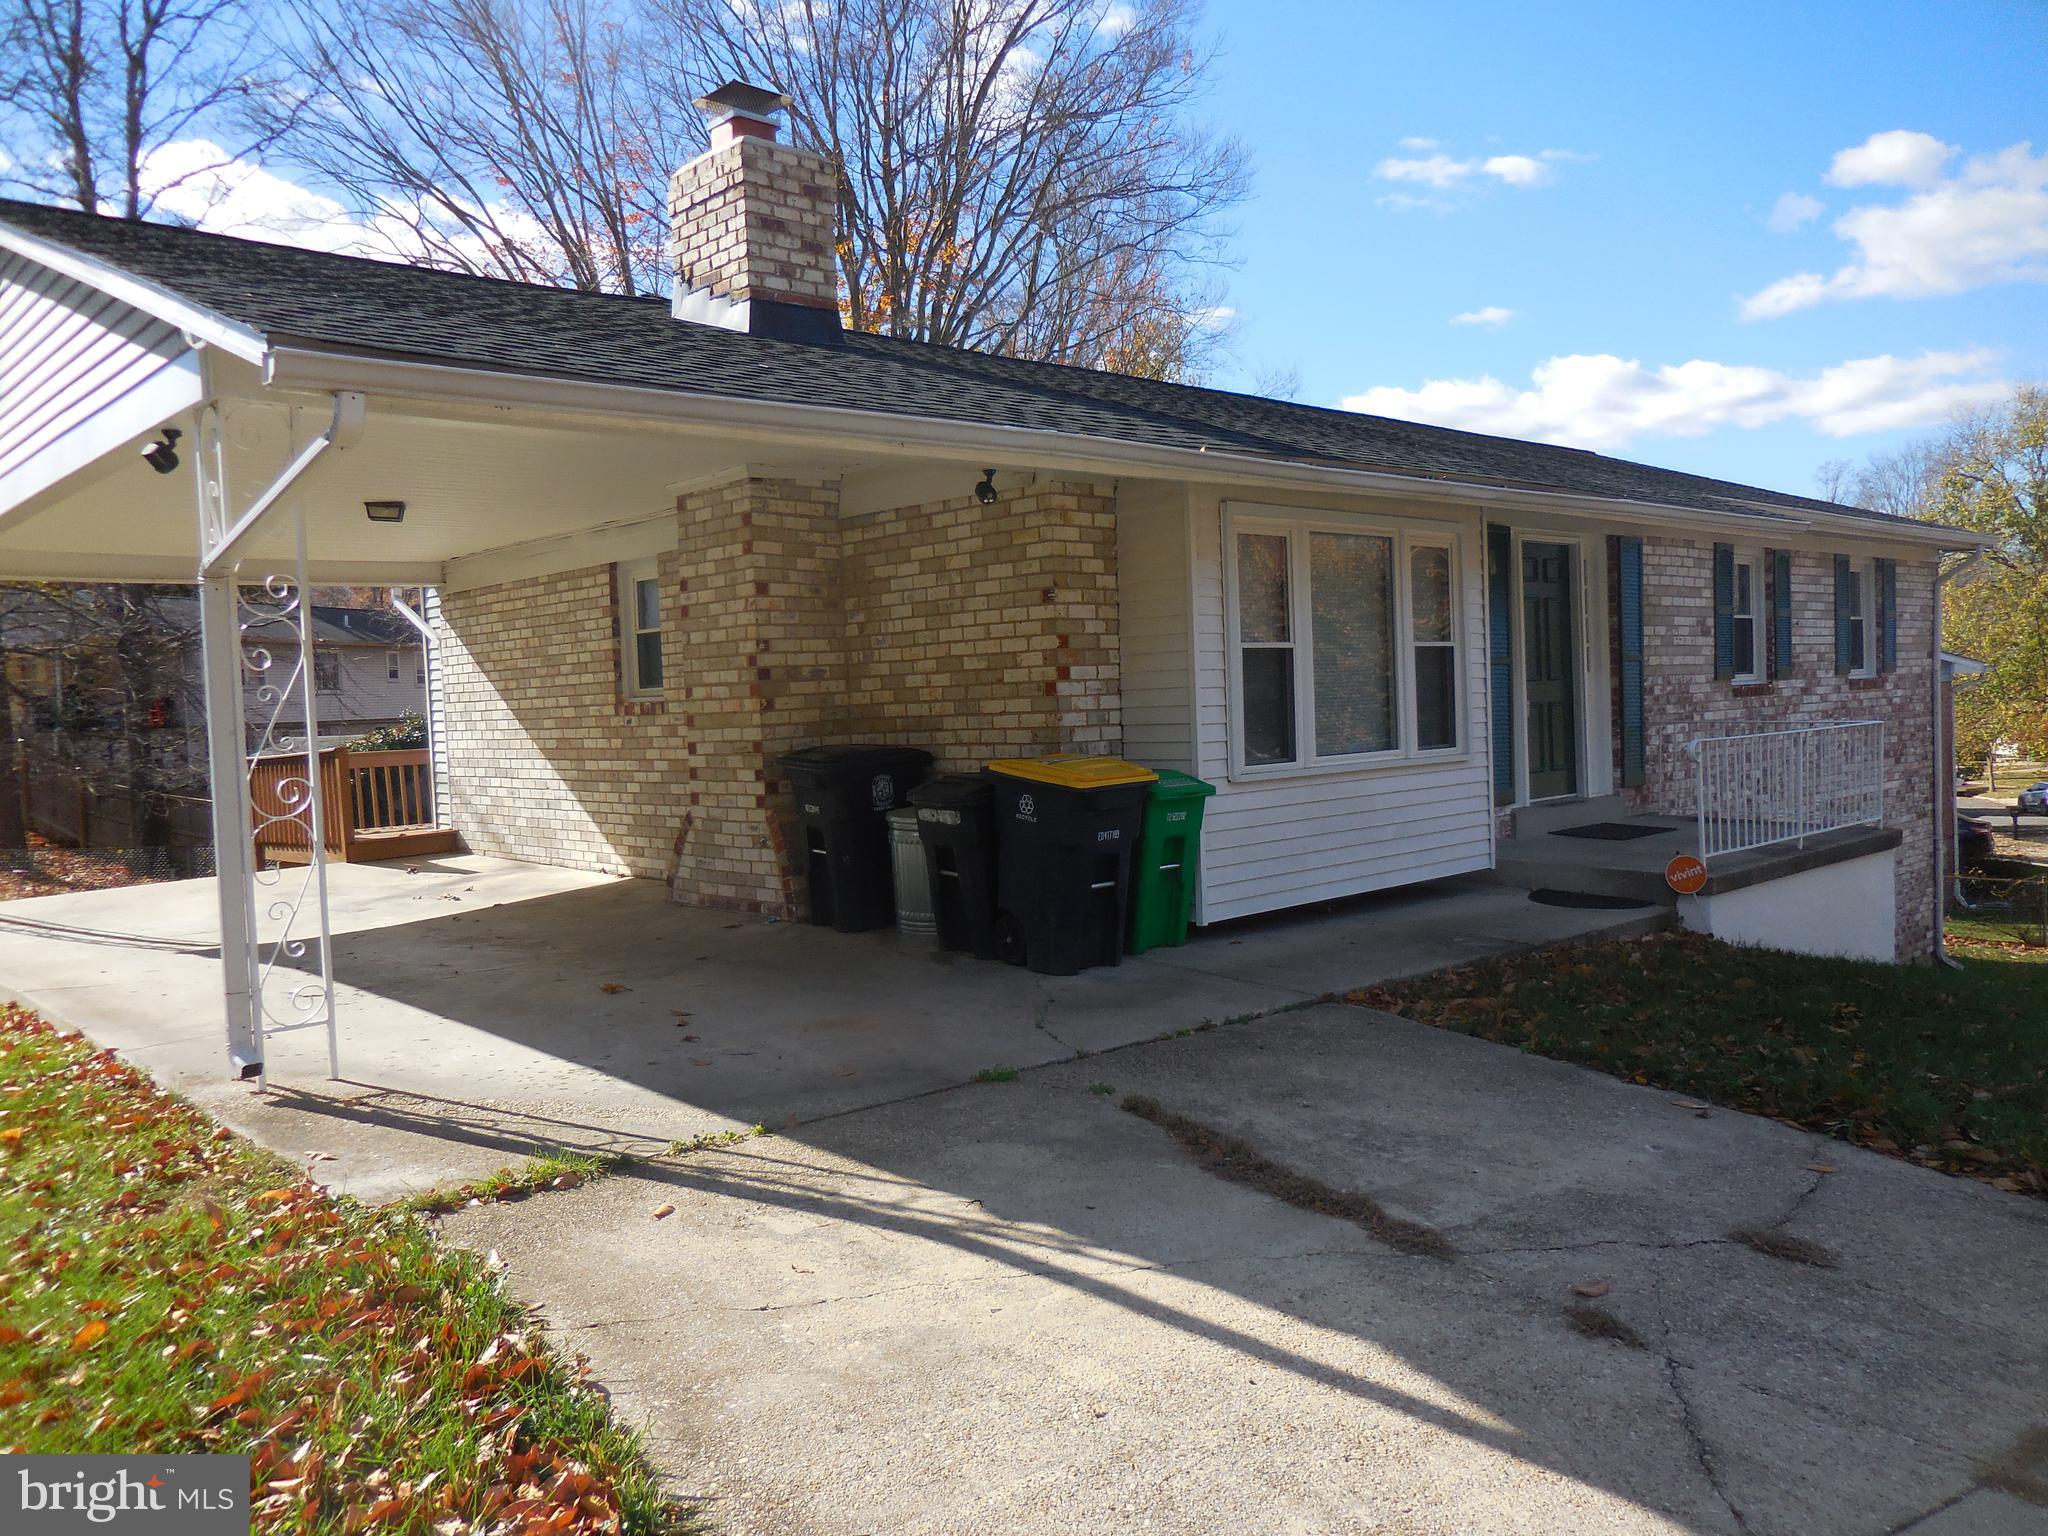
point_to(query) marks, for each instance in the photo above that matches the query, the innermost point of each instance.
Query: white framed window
(391, 665)
(640, 629)
(1751, 645)
(1344, 646)
(1863, 618)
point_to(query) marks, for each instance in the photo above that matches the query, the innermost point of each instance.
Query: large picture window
(1344, 642)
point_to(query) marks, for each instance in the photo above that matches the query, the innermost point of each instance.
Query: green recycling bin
(1167, 861)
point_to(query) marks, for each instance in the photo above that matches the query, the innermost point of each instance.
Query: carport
(147, 437)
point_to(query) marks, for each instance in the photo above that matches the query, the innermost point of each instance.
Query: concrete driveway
(930, 1305)
(1017, 1308)
(491, 1008)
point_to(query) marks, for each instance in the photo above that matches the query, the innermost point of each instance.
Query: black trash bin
(843, 797)
(1065, 827)
(956, 822)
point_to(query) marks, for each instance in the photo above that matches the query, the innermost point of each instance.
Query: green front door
(1547, 670)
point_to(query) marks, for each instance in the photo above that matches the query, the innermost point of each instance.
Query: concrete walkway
(491, 1008)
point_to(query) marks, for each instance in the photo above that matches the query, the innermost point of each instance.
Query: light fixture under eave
(985, 488)
(385, 511)
(161, 452)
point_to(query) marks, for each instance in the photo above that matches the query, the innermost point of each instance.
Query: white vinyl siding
(1152, 614)
(68, 354)
(1278, 841)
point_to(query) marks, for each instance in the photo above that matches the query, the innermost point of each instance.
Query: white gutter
(195, 320)
(1946, 840)
(861, 431)
(344, 430)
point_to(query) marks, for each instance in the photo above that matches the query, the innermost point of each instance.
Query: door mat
(1588, 901)
(1612, 831)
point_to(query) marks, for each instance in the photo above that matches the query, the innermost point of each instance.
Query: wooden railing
(374, 805)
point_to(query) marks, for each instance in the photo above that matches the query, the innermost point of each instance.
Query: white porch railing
(1785, 786)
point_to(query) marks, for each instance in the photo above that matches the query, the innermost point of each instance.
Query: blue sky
(1673, 132)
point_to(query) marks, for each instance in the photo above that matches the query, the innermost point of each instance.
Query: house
(669, 540)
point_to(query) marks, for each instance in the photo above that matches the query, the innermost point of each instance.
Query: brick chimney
(751, 225)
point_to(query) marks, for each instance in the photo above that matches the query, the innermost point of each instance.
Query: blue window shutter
(1781, 613)
(1629, 565)
(1845, 586)
(1500, 560)
(1724, 611)
(1888, 615)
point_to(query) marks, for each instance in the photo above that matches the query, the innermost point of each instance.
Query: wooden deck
(374, 805)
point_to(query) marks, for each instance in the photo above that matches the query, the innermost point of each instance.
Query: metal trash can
(955, 817)
(842, 794)
(914, 911)
(1065, 828)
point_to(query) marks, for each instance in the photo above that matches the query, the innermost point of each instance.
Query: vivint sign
(162, 1495)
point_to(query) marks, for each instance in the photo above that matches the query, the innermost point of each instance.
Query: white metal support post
(220, 639)
(234, 629)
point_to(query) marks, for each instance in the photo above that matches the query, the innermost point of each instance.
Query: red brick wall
(1682, 699)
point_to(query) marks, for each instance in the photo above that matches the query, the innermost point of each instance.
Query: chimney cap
(738, 97)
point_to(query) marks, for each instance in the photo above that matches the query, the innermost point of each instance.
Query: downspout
(1947, 853)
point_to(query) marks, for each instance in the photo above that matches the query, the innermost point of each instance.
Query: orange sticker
(1686, 875)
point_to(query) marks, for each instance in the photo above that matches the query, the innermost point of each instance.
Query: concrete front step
(1532, 820)
(1533, 871)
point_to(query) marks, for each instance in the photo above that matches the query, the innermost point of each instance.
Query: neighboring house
(369, 670)
(671, 541)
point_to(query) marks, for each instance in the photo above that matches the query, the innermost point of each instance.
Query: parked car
(1973, 842)
(2034, 799)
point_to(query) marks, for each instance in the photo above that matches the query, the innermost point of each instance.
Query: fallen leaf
(613, 986)
(12, 1136)
(1820, 1168)
(1591, 1288)
(89, 1335)
(844, 1072)
(663, 1209)
(1690, 1104)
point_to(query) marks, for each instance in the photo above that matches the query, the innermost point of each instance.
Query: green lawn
(1949, 1068)
(169, 1288)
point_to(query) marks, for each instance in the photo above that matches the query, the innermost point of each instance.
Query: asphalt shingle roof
(357, 305)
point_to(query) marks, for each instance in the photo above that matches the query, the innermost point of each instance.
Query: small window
(1436, 670)
(326, 671)
(391, 665)
(419, 668)
(640, 629)
(1265, 648)
(1862, 606)
(1748, 615)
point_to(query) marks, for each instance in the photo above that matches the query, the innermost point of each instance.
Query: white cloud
(1517, 170)
(195, 180)
(1899, 158)
(1435, 171)
(1117, 19)
(1445, 173)
(1603, 402)
(1492, 315)
(1793, 210)
(1988, 223)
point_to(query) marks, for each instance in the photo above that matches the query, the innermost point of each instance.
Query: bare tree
(1017, 176)
(92, 90)
(510, 138)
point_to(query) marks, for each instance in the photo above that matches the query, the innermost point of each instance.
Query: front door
(1549, 684)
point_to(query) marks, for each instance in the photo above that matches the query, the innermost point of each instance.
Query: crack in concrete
(1642, 1244)
(1926, 1515)
(1038, 1023)
(1688, 1420)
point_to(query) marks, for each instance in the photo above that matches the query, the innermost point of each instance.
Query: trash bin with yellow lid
(1065, 827)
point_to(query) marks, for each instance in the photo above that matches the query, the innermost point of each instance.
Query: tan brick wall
(755, 220)
(982, 632)
(1682, 699)
(976, 632)
(760, 671)
(545, 761)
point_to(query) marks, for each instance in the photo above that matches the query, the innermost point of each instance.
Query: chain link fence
(2006, 899)
(50, 870)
